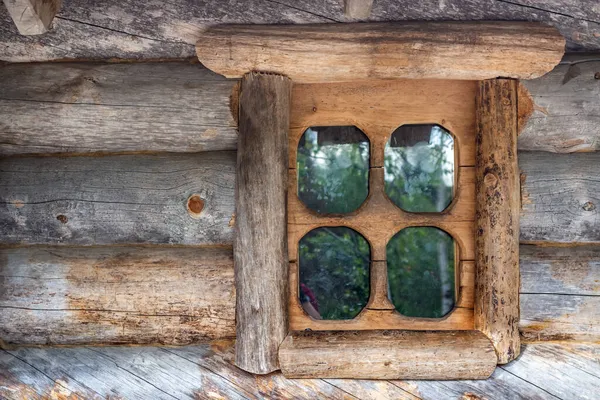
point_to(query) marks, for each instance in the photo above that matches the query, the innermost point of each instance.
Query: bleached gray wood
(260, 245)
(102, 295)
(117, 199)
(357, 9)
(95, 107)
(116, 29)
(32, 17)
(565, 117)
(560, 197)
(543, 371)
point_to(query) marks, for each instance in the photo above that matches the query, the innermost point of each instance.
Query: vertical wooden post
(260, 246)
(497, 187)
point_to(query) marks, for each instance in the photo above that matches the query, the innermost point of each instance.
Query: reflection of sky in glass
(424, 169)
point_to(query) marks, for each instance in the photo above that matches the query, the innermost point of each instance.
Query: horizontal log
(560, 293)
(109, 295)
(93, 107)
(349, 52)
(566, 108)
(133, 30)
(168, 199)
(387, 355)
(560, 194)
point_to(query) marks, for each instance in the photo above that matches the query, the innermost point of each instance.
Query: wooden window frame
(364, 55)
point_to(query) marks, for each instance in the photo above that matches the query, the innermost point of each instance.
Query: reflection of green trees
(334, 262)
(334, 178)
(418, 286)
(334, 265)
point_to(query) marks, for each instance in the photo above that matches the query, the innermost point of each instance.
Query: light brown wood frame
(378, 108)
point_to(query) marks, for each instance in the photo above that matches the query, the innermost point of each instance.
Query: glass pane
(419, 168)
(333, 169)
(420, 262)
(334, 273)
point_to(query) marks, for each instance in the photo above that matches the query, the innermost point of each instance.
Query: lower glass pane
(421, 277)
(334, 273)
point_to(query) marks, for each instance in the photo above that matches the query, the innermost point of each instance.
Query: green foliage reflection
(419, 168)
(420, 263)
(333, 169)
(334, 272)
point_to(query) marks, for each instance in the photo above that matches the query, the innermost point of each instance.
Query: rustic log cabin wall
(104, 242)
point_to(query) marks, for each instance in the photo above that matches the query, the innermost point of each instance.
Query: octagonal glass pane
(421, 272)
(334, 273)
(333, 169)
(419, 168)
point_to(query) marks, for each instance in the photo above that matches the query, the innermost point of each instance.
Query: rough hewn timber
(128, 295)
(182, 107)
(32, 17)
(387, 355)
(497, 216)
(349, 52)
(133, 30)
(260, 246)
(93, 107)
(560, 197)
(566, 108)
(117, 199)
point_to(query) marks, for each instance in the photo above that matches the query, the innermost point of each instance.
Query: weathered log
(260, 248)
(497, 216)
(349, 52)
(387, 355)
(118, 199)
(97, 107)
(32, 17)
(126, 295)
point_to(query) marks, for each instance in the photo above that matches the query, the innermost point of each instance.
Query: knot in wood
(195, 205)
(490, 180)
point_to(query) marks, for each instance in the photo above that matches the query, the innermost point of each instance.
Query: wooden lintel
(390, 354)
(33, 17)
(349, 52)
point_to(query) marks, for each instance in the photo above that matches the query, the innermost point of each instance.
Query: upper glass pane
(419, 168)
(334, 273)
(333, 169)
(420, 263)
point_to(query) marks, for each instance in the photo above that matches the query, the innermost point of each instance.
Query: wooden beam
(497, 216)
(348, 52)
(387, 355)
(33, 17)
(260, 246)
(357, 9)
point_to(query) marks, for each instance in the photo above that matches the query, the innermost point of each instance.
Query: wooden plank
(566, 108)
(357, 9)
(387, 355)
(354, 52)
(32, 17)
(103, 295)
(94, 107)
(117, 199)
(497, 205)
(560, 194)
(260, 247)
(130, 30)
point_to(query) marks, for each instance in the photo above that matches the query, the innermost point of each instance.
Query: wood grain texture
(130, 30)
(354, 52)
(32, 17)
(94, 107)
(357, 9)
(103, 295)
(260, 248)
(206, 371)
(387, 355)
(497, 205)
(117, 199)
(565, 117)
(560, 197)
